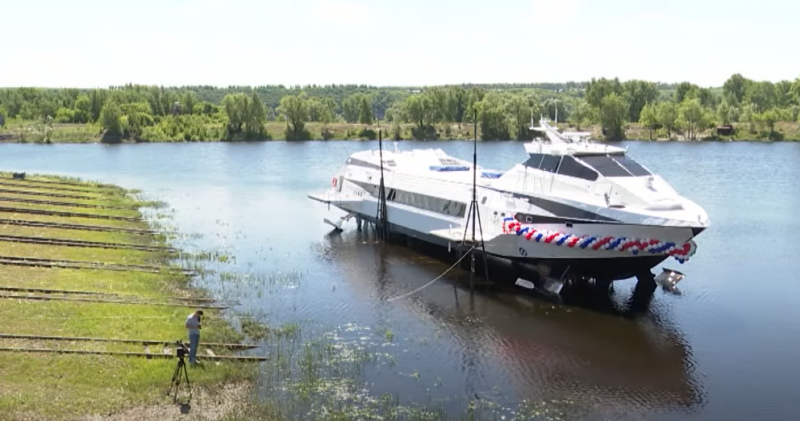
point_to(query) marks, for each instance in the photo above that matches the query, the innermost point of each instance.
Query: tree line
(502, 111)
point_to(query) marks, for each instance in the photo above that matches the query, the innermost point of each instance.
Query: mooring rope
(436, 278)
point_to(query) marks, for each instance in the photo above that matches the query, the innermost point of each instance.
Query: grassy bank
(90, 133)
(783, 131)
(315, 371)
(67, 386)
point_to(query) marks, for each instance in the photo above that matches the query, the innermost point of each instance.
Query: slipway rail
(68, 214)
(66, 204)
(121, 341)
(38, 193)
(81, 264)
(241, 358)
(79, 227)
(83, 243)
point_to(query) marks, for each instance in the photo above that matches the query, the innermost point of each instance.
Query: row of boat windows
(588, 167)
(421, 201)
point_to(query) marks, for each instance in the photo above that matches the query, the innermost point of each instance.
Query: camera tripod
(176, 379)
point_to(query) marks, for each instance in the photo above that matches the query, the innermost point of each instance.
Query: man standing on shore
(193, 326)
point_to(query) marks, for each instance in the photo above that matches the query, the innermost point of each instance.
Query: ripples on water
(723, 350)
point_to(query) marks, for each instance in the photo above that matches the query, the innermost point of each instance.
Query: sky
(100, 43)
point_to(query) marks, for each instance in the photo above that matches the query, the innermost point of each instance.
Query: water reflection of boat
(534, 348)
(573, 205)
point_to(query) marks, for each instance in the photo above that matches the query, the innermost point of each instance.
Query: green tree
(761, 95)
(597, 91)
(415, 108)
(734, 89)
(768, 119)
(693, 116)
(749, 116)
(365, 109)
(322, 110)
(492, 117)
(724, 112)
(519, 109)
(98, 98)
(205, 108)
(391, 114)
(667, 113)
(795, 91)
(295, 111)
(649, 118)
(783, 94)
(613, 114)
(474, 95)
(437, 99)
(256, 118)
(682, 90)
(458, 101)
(705, 96)
(83, 109)
(794, 113)
(65, 115)
(188, 103)
(581, 113)
(236, 107)
(111, 118)
(352, 108)
(138, 117)
(638, 93)
(314, 108)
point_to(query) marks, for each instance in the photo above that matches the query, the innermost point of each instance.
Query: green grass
(73, 234)
(111, 223)
(72, 209)
(46, 251)
(52, 386)
(71, 201)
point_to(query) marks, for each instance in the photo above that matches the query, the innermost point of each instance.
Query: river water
(726, 349)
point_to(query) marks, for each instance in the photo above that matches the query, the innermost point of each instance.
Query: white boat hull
(447, 232)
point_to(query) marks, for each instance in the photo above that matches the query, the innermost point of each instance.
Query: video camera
(182, 349)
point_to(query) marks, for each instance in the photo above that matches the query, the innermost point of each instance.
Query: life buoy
(333, 182)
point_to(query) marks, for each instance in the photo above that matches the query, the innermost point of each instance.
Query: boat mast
(382, 225)
(474, 214)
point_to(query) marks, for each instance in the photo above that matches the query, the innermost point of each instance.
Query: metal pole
(381, 225)
(474, 204)
(474, 172)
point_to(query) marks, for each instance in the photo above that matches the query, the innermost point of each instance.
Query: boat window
(634, 167)
(449, 168)
(572, 168)
(534, 161)
(550, 163)
(606, 166)
(483, 201)
(429, 203)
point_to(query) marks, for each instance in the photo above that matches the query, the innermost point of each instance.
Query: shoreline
(80, 133)
(69, 300)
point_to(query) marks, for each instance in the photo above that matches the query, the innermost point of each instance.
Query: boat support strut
(338, 224)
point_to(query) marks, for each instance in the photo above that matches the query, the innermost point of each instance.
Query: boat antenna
(382, 225)
(474, 214)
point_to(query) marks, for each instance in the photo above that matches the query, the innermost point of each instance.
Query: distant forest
(504, 111)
